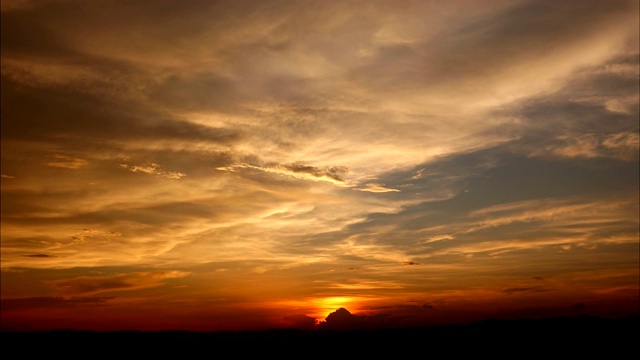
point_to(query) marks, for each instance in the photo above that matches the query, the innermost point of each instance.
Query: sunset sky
(244, 165)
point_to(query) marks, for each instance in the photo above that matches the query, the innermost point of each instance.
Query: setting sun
(317, 164)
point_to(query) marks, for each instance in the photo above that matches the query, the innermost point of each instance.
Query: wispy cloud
(334, 174)
(153, 169)
(404, 152)
(377, 188)
(525, 289)
(624, 146)
(131, 281)
(13, 304)
(40, 256)
(66, 162)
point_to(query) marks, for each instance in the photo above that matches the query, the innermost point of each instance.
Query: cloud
(334, 174)
(12, 304)
(6, 176)
(578, 306)
(623, 146)
(93, 235)
(66, 162)
(478, 141)
(524, 289)
(377, 188)
(131, 281)
(301, 321)
(342, 319)
(501, 204)
(153, 169)
(42, 256)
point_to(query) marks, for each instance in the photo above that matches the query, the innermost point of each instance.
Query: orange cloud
(66, 162)
(133, 281)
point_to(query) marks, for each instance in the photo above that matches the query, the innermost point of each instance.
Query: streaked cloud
(51, 302)
(40, 256)
(377, 188)
(525, 289)
(66, 162)
(296, 157)
(334, 174)
(153, 169)
(131, 281)
(623, 146)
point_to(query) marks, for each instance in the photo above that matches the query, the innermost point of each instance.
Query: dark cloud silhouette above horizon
(398, 157)
(342, 319)
(301, 321)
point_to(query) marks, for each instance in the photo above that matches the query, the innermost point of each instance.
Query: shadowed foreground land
(582, 335)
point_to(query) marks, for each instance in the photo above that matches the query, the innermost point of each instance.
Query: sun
(327, 305)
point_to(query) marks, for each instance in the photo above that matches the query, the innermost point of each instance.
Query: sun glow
(412, 162)
(325, 306)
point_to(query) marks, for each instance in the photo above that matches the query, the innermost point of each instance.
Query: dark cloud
(593, 115)
(23, 34)
(40, 256)
(540, 312)
(342, 319)
(46, 114)
(301, 321)
(579, 307)
(532, 104)
(89, 285)
(335, 172)
(50, 302)
(492, 44)
(524, 289)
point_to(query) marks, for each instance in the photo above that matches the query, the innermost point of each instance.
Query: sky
(247, 165)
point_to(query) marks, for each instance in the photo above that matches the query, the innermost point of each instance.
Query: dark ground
(572, 337)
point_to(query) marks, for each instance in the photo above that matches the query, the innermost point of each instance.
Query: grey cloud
(492, 44)
(580, 106)
(485, 178)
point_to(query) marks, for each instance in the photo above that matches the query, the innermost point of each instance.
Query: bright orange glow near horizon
(245, 165)
(328, 305)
